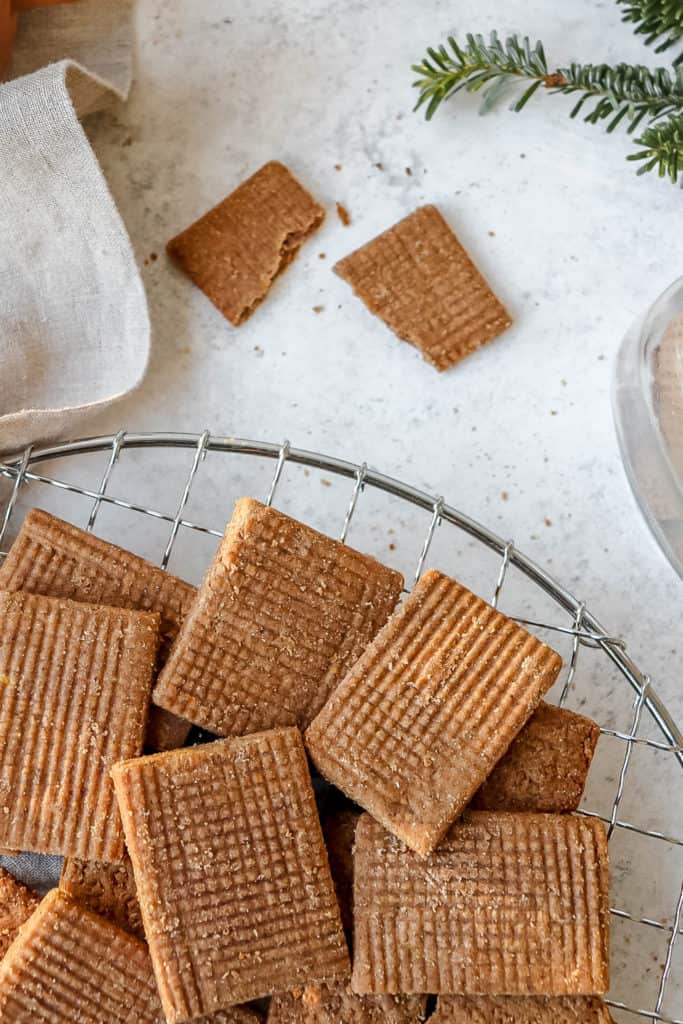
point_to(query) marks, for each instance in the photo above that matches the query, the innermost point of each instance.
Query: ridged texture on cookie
(69, 965)
(281, 616)
(520, 1010)
(429, 708)
(75, 683)
(337, 1004)
(508, 904)
(420, 280)
(236, 250)
(56, 559)
(231, 871)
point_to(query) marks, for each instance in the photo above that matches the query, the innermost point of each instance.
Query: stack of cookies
(448, 878)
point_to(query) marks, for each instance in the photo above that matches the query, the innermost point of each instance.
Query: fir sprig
(660, 21)
(620, 91)
(612, 94)
(662, 149)
(479, 65)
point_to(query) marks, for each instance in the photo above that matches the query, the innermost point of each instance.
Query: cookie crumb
(337, 167)
(322, 255)
(318, 309)
(344, 215)
(379, 166)
(504, 495)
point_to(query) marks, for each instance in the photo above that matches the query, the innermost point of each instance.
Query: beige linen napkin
(74, 326)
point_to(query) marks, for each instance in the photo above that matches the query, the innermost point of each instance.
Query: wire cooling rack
(636, 776)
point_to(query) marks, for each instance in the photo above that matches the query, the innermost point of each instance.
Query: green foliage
(621, 94)
(660, 21)
(478, 66)
(662, 149)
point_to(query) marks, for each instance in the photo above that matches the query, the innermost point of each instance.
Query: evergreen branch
(662, 149)
(657, 20)
(476, 66)
(621, 92)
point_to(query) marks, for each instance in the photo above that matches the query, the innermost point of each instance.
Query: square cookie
(546, 767)
(508, 904)
(419, 279)
(337, 1004)
(17, 903)
(53, 972)
(281, 616)
(107, 889)
(56, 559)
(520, 1010)
(429, 708)
(236, 250)
(75, 683)
(231, 872)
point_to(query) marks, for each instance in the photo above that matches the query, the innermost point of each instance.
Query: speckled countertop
(519, 435)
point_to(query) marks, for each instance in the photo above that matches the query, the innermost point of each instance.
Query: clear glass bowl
(648, 411)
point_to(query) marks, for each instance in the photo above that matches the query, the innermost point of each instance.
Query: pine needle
(660, 21)
(620, 95)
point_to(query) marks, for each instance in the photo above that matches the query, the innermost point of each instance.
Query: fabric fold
(74, 324)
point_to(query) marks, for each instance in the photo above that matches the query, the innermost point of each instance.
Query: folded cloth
(74, 325)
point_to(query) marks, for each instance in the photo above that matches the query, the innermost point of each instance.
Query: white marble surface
(519, 435)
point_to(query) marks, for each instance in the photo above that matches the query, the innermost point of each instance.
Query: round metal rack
(649, 725)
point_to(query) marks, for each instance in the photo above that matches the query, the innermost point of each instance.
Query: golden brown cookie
(508, 904)
(56, 559)
(75, 683)
(17, 903)
(281, 616)
(546, 767)
(429, 708)
(107, 889)
(520, 1010)
(231, 871)
(419, 279)
(337, 1004)
(53, 972)
(236, 250)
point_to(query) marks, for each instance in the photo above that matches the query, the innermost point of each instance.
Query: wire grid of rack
(581, 628)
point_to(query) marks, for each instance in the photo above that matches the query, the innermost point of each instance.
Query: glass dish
(648, 412)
